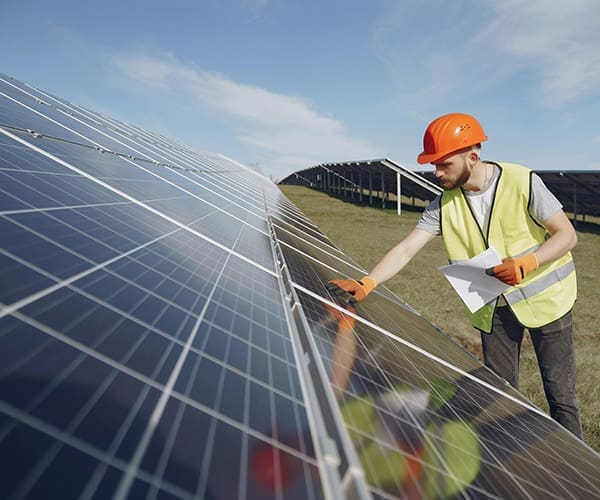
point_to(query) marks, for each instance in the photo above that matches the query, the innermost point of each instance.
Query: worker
(505, 206)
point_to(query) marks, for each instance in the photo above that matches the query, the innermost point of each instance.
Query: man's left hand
(513, 270)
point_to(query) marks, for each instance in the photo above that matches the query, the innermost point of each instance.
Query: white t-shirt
(543, 204)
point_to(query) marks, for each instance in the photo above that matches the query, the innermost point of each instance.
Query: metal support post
(360, 187)
(398, 193)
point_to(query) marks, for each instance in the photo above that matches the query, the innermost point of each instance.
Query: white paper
(470, 281)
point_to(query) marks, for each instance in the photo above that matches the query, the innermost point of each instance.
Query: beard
(460, 180)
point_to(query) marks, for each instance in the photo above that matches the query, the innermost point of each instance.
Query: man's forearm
(400, 255)
(563, 238)
(554, 248)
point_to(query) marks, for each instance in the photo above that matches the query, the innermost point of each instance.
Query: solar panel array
(165, 332)
(577, 190)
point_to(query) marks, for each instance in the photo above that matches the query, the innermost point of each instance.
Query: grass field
(366, 234)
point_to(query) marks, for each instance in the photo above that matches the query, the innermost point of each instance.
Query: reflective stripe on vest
(538, 286)
(546, 293)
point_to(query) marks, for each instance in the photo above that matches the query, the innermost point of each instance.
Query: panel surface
(165, 332)
(145, 346)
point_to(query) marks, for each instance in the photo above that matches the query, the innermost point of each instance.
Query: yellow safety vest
(545, 294)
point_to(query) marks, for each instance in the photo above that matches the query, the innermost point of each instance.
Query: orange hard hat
(450, 133)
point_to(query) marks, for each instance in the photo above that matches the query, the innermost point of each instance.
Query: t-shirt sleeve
(430, 218)
(543, 203)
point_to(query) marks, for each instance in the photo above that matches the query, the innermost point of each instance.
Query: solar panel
(165, 332)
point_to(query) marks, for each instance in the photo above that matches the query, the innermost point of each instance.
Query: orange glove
(513, 270)
(358, 289)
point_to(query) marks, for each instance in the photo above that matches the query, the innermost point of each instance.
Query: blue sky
(282, 85)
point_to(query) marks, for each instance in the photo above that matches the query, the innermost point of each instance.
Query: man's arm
(562, 238)
(400, 255)
(350, 291)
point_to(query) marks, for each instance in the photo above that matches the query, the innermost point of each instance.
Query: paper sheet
(470, 281)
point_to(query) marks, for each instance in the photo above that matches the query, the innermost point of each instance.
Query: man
(505, 206)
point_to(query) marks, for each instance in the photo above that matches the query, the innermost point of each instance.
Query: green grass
(366, 234)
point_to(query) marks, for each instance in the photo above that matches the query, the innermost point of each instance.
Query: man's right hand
(356, 289)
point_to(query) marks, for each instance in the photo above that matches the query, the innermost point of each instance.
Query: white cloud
(559, 39)
(287, 128)
(465, 46)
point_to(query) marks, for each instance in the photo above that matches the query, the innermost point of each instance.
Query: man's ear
(473, 156)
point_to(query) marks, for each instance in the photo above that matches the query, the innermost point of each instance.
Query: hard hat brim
(433, 157)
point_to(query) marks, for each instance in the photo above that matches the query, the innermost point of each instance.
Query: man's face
(453, 170)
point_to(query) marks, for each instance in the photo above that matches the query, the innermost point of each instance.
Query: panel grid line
(134, 464)
(418, 349)
(177, 341)
(440, 460)
(60, 435)
(7, 213)
(172, 168)
(81, 445)
(137, 202)
(518, 479)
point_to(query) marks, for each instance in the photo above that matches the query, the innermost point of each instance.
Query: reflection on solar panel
(165, 332)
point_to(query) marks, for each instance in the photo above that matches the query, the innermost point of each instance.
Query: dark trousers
(555, 353)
